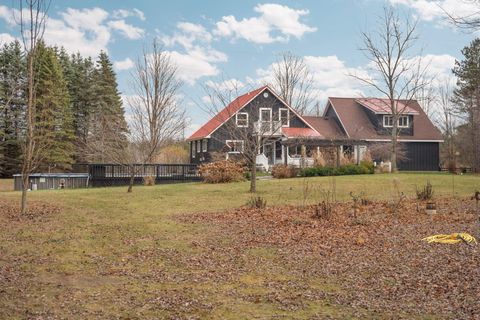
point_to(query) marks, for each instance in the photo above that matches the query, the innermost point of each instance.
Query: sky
(234, 43)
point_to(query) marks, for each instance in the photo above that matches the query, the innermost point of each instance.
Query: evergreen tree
(12, 107)
(107, 126)
(467, 99)
(54, 131)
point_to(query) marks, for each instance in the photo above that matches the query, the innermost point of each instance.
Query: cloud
(86, 30)
(226, 85)
(122, 14)
(276, 23)
(125, 64)
(194, 54)
(6, 38)
(129, 31)
(436, 10)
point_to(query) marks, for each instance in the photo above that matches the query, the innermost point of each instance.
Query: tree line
(77, 103)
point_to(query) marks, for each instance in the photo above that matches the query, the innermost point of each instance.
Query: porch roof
(320, 141)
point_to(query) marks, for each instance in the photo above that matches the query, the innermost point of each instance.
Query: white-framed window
(284, 117)
(241, 119)
(387, 121)
(403, 122)
(265, 114)
(205, 145)
(193, 148)
(199, 146)
(235, 146)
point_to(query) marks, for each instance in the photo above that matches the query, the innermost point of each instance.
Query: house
(348, 128)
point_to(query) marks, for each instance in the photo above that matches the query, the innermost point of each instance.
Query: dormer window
(242, 119)
(284, 117)
(403, 121)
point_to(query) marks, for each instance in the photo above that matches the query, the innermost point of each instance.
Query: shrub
(257, 203)
(426, 193)
(281, 171)
(149, 181)
(349, 169)
(222, 171)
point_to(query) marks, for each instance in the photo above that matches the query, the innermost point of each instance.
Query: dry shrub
(367, 156)
(257, 203)
(173, 154)
(222, 171)
(149, 181)
(281, 171)
(319, 160)
(346, 159)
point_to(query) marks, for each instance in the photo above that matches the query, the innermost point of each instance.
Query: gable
(245, 103)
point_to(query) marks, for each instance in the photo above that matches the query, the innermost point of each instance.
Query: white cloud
(129, 31)
(226, 85)
(125, 64)
(275, 23)
(436, 10)
(87, 30)
(123, 13)
(6, 38)
(194, 56)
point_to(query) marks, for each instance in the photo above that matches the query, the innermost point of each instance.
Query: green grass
(108, 253)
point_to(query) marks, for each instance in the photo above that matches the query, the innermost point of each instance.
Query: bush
(281, 171)
(349, 169)
(222, 172)
(426, 193)
(149, 181)
(257, 203)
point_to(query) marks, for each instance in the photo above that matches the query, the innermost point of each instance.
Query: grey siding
(421, 156)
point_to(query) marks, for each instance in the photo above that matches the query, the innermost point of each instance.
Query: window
(242, 119)
(235, 146)
(265, 114)
(403, 122)
(193, 149)
(387, 121)
(199, 146)
(284, 117)
(205, 145)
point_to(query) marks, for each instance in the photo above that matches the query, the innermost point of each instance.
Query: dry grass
(6, 185)
(103, 253)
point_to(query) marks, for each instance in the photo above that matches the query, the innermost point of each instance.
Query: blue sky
(238, 41)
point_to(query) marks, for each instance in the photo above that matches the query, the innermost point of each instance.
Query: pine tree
(107, 126)
(467, 99)
(12, 107)
(54, 131)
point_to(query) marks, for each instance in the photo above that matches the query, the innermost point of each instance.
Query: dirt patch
(377, 259)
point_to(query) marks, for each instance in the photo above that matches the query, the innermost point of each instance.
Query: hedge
(349, 169)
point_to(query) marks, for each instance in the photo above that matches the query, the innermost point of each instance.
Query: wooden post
(285, 155)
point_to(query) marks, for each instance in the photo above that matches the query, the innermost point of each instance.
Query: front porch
(303, 153)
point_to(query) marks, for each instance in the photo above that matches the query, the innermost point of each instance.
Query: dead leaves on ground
(378, 258)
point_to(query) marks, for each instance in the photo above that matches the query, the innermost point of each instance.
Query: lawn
(154, 253)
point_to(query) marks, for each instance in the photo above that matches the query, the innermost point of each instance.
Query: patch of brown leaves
(378, 258)
(35, 209)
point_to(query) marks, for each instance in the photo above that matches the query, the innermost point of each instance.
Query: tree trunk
(393, 154)
(253, 176)
(132, 179)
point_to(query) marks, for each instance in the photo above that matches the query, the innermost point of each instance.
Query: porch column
(339, 149)
(304, 156)
(285, 154)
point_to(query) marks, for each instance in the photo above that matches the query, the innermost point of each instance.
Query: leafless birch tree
(396, 73)
(293, 81)
(32, 19)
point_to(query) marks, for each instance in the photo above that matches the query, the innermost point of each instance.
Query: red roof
(299, 132)
(382, 106)
(230, 110)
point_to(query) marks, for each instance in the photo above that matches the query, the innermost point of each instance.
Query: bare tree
(293, 81)
(156, 117)
(32, 20)
(448, 120)
(396, 74)
(469, 22)
(248, 136)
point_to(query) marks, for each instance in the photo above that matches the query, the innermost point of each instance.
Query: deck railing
(103, 175)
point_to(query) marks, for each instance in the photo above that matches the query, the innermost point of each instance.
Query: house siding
(421, 156)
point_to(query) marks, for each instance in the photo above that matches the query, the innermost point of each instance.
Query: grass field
(108, 254)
